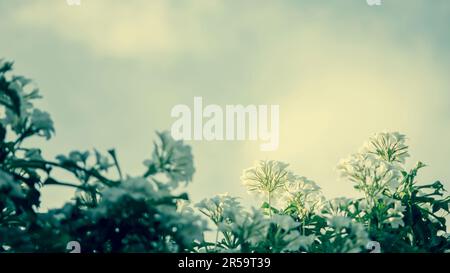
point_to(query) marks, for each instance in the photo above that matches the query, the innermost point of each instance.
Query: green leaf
(2, 133)
(441, 205)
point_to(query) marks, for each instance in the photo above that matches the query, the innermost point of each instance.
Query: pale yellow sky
(111, 71)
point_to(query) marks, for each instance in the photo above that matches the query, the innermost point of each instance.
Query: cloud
(165, 29)
(117, 29)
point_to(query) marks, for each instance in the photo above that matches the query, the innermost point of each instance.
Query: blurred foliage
(110, 212)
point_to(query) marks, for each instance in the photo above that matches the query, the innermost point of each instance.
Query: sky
(110, 72)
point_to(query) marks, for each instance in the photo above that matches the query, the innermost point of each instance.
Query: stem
(270, 205)
(116, 163)
(217, 239)
(40, 164)
(303, 226)
(150, 171)
(51, 181)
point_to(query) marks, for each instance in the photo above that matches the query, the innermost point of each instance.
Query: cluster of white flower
(184, 221)
(377, 166)
(284, 222)
(249, 227)
(267, 178)
(239, 227)
(293, 202)
(389, 146)
(220, 208)
(19, 111)
(136, 188)
(377, 169)
(394, 213)
(345, 235)
(281, 187)
(172, 158)
(287, 231)
(305, 195)
(42, 123)
(343, 206)
(297, 241)
(141, 200)
(235, 224)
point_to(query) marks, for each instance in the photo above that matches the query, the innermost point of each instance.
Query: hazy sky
(111, 71)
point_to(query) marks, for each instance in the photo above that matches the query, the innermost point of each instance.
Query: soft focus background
(110, 72)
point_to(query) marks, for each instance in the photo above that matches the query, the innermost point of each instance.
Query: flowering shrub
(111, 212)
(116, 212)
(395, 211)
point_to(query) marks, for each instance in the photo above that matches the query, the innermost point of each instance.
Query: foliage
(110, 212)
(115, 212)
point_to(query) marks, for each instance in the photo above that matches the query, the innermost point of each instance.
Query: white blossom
(348, 235)
(297, 241)
(371, 174)
(267, 179)
(389, 146)
(284, 222)
(219, 208)
(173, 158)
(42, 123)
(394, 215)
(137, 188)
(304, 194)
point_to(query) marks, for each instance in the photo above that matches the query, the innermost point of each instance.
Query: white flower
(339, 206)
(339, 221)
(390, 146)
(184, 206)
(347, 236)
(302, 184)
(304, 194)
(442, 233)
(297, 241)
(398, 208)
(173, 158)
(394, 215)
(220, 208)
(370, 173)
(426, 206)
(137, 188)
(395, 222)
(42, 123)
(267, 178)
(285, 222)
(250, 226)
(377, 166)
